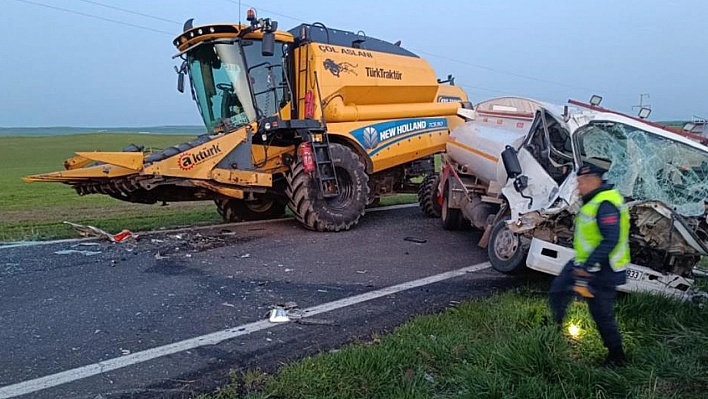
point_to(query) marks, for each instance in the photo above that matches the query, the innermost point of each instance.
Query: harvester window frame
(213, 123)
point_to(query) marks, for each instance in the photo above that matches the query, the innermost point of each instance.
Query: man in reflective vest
(601, 243)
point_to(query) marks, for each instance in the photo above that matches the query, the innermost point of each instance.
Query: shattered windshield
(646, 166)
(221, 89)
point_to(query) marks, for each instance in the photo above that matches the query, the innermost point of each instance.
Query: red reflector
(308, 161)
(309, 105)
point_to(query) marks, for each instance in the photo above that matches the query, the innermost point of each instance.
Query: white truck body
(663, 176)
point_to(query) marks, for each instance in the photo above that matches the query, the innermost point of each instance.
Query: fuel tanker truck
(510, 171)
(321, 120)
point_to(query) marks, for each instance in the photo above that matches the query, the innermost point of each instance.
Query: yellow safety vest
(587, 235)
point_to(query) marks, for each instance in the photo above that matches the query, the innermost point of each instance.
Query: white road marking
(195, 228)
(38, 384)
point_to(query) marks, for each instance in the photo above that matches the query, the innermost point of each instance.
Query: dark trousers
(601, 306)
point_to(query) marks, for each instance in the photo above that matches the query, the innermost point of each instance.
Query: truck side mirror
(268, 45)
(511, 162)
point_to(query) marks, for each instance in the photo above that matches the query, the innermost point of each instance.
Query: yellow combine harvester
(322, 120)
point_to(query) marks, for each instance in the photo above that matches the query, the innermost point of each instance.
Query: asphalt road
(63, 311)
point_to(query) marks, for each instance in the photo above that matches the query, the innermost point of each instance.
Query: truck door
(539, 159)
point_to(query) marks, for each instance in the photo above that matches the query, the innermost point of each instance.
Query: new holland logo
(371, 138)
(189, 160)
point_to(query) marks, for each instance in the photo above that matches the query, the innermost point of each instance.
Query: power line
(130, 12)
(487, 68)
(97, 17)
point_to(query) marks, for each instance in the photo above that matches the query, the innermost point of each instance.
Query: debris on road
(361, 271)
(416, 240)
(229, 304)
(316, 322)
(91, 231)
(279, 315)
(124, 352)
(158, 256)
(76, 251)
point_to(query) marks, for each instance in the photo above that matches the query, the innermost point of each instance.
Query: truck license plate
(633, 274)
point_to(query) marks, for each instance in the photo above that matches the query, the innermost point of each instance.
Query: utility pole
(641, 102)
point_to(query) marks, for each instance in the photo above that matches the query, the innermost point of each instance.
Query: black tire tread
(305, 207)
(427, 198)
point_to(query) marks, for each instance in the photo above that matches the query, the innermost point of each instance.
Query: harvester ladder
(326, 171)
(321, 152)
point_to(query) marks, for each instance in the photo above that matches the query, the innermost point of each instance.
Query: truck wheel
(505, 251)
(428, 196)
(238, 210)
(452, 218)
(330, 214)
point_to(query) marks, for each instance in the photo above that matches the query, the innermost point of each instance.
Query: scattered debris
(229, 304)
(289, 305)
(75, 251)
(416, 240)
(91, 231)
(124, 351)
(158, 256)
(288, 270)
(429, 378)
(361, 271)
(86, 244)
(156, 241)
(316, 322)
(245, 256)
(322, 291)
(279, 315)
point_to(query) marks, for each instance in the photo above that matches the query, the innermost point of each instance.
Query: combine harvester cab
(320, 120)
(510, 170)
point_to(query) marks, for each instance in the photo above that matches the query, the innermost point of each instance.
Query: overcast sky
(60, 68)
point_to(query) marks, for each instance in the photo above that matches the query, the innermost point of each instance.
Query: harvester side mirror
(268, 45)
(180, 76)
(180, 82)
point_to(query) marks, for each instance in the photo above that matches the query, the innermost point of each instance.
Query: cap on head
(588, 169)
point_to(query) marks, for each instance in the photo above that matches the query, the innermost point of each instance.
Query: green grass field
(37, 210)
(505, 347)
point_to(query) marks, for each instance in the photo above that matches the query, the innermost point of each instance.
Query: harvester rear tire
(238, 210)
(428, 196)
(330, 214)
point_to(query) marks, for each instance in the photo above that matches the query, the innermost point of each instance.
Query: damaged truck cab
(511, 171)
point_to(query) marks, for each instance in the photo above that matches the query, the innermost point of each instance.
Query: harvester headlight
(199, 31)
(266, 126)
(211, 29)
(264, 137)
(191, 34)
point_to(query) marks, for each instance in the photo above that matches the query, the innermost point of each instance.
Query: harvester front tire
(330, 214)
(505, 250)
(238, 210)
(428, 196)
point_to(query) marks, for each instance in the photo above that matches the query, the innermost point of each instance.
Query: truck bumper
(550, 258)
